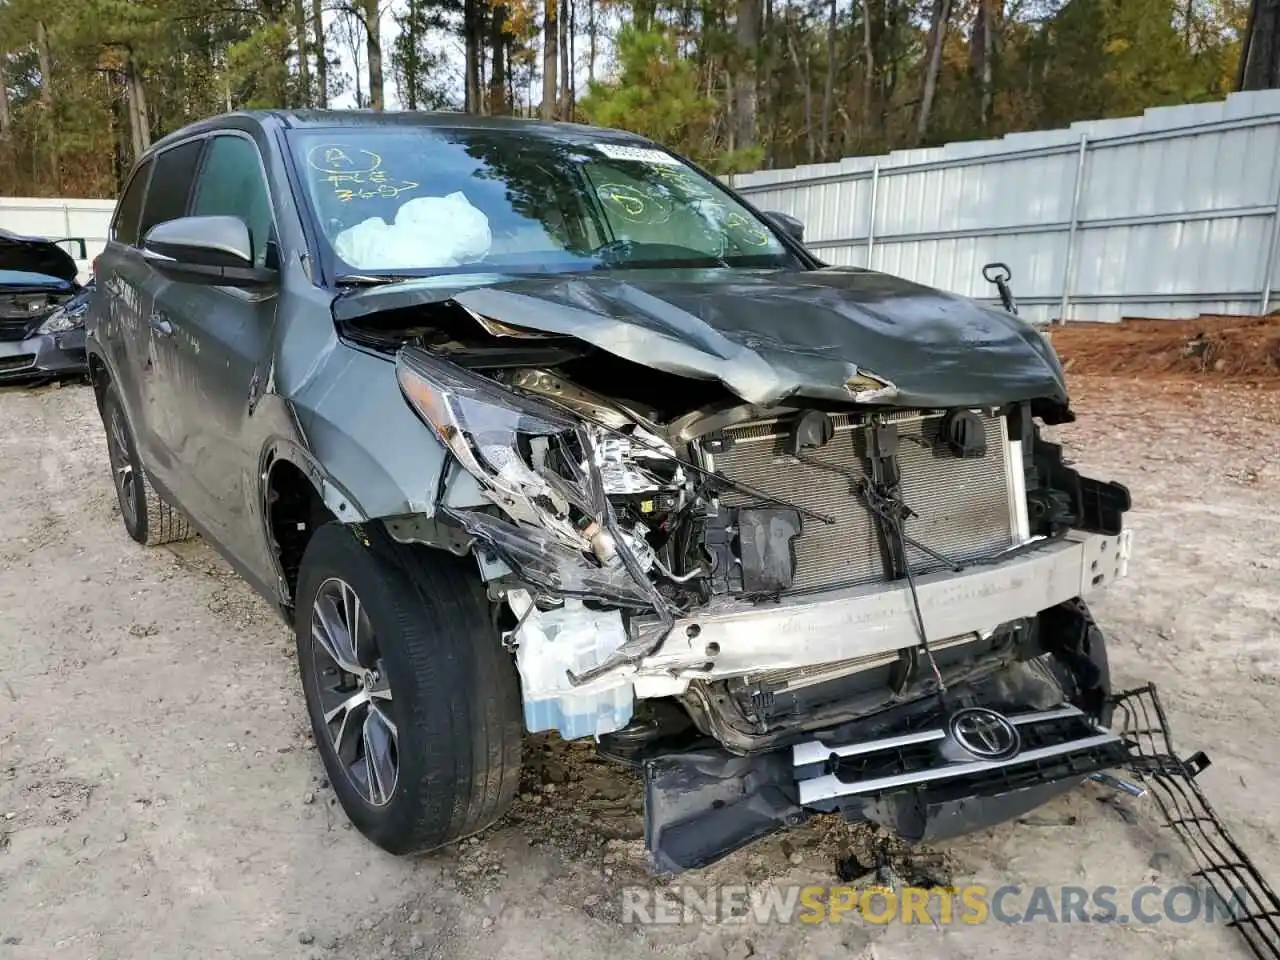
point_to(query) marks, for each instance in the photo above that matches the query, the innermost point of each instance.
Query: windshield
(25, 278)
(422, 201)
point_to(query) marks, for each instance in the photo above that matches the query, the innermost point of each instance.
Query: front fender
(369, 447)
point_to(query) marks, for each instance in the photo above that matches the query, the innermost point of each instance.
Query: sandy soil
(159, 796)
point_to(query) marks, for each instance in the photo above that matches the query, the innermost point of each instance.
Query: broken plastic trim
(541, 560)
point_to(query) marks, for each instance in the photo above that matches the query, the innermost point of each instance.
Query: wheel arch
(297, 497)
(99, 377)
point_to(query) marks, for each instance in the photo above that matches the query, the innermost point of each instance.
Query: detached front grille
(963, 506)
(1055, 744)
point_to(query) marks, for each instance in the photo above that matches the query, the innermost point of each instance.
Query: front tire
(414, 704)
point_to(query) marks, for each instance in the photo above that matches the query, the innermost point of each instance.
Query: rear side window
(170, 185)
(124, 228)
(232, 185)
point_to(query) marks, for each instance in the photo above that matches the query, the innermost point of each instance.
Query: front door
(158, 423)
(218, 361)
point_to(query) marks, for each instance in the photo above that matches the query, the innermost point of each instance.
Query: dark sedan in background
(42, 310)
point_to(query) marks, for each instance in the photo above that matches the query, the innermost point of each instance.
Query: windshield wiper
(367, 280)
(622, 253)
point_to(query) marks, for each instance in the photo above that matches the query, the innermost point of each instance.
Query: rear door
(218, 360)
(121, 315)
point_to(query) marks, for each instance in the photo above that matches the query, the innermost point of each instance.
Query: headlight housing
(64, 318)
(532, 460)
(542, 468)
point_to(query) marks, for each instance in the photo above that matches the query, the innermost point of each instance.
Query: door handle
(161, 325)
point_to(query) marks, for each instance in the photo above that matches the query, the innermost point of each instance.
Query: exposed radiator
(963, 506)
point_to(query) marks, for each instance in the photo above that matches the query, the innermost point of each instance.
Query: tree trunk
(139, 128)
(47, 103)
(591, 41)
(937, 35)
(744, 81)
(828, 92)
(373, 50)
(471, 68)
(6, 119)
(409, 62)
(572, 32)
(803, 72)
(645, 10)
(566, 71)
(870, 61)
(304, 65)
(498, 74)
(322, 55)
(550, 55)
(511, 75)
(981, 47)
(119, 148)
(1260, 52)
(767, 111)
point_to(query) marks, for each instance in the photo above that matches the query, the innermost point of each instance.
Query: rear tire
(147, 518)
(438, 698)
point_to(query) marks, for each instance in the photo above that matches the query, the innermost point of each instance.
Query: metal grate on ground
(1220, 862)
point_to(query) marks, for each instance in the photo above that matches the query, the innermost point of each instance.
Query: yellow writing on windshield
(751, 233)
(635, 204)
(686, 181)
(354, 174)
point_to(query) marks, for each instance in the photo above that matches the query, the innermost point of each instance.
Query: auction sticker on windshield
(617, 151)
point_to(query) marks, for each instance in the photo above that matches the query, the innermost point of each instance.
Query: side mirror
(212, 250)
(788, 224)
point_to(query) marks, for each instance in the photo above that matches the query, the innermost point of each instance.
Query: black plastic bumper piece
(703, 805)
(919, 818)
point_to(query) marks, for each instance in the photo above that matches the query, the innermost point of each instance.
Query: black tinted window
(124, 228)
(231, 185)
(170, 185)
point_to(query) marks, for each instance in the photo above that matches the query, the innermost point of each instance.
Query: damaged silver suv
(538, 427)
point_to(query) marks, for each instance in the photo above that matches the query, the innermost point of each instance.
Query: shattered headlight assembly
(540, 467)
(65, 318)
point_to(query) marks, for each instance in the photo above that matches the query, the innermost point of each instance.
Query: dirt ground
(159, 796)
(1217, 348)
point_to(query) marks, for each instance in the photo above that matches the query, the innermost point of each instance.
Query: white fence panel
(1171, 214)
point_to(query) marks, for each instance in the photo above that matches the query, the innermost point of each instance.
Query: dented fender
(381, 460)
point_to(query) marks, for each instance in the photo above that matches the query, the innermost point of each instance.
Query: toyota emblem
(984, 734)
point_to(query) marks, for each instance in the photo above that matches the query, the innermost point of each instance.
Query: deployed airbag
(428, 232)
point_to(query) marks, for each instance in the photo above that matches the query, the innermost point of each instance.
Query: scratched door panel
(220, 347)
(168, 195)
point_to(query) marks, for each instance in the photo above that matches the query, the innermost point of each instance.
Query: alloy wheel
(353, 690)
(122, 474)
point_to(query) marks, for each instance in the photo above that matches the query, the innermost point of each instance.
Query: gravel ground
(159, 795)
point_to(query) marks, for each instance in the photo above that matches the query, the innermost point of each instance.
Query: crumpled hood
(36, 255)
(767, 335)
